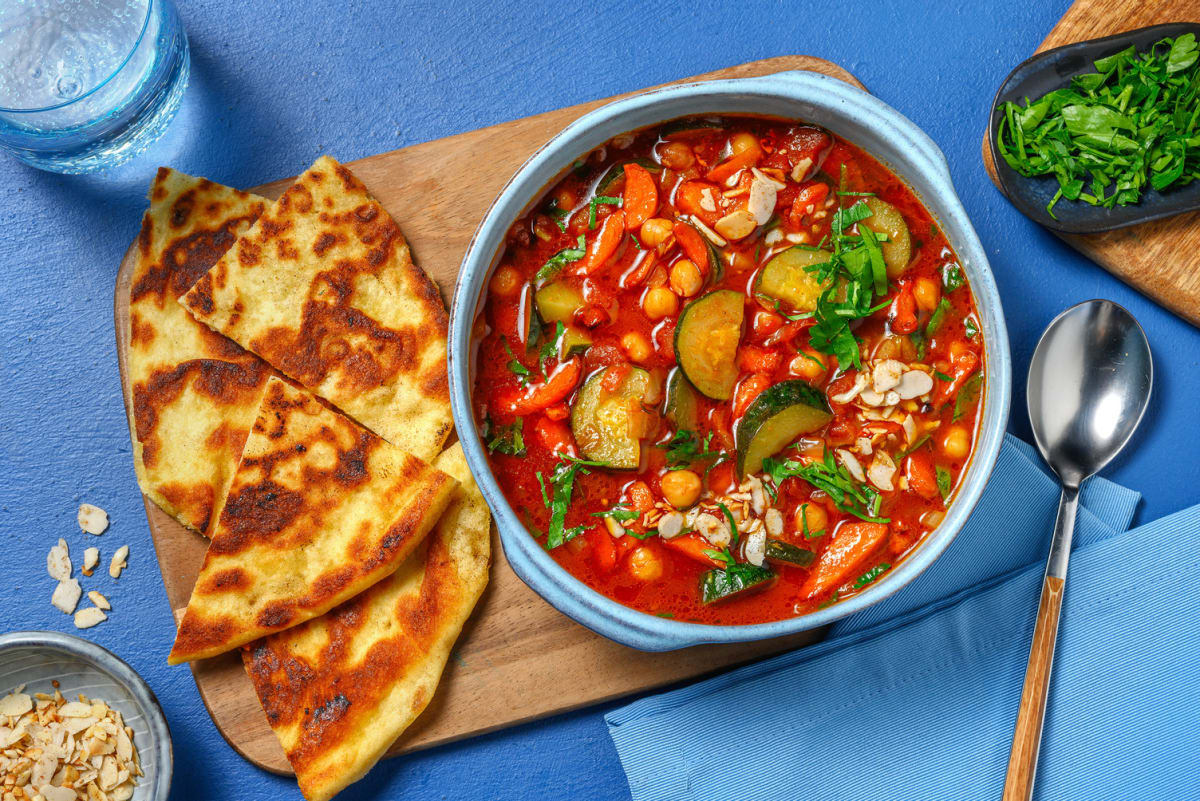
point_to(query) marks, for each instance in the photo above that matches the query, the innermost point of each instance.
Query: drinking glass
(88, 84)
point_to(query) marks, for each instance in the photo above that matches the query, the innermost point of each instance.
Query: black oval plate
(1052, 70)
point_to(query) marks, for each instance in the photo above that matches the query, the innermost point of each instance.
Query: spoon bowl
(1089, 385)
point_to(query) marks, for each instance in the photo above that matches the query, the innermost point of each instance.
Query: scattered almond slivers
(118, 562)
(66, 596)
(58, 562)
(92, 519)
(89, 616)
(64, 751)
(99, 600)
(91, 558)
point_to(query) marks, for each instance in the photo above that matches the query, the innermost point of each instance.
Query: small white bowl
(35, 658)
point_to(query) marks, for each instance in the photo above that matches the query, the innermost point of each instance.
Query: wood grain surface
(1027, 735)
(518, 659)
(1160, 258)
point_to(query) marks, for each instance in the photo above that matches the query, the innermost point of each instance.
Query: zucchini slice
(785, 277)
(726, 582)
(706, 341)
(788, 554)
(776, 417)
(887, 219)
(557, 302)
(683, 407)
(609, 426)
(573, 343)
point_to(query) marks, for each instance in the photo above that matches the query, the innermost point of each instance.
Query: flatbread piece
(319, 509)
(194, 393)
(324, 288)
(340, 689)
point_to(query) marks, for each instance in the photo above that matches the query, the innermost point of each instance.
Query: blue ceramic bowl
(851, 113)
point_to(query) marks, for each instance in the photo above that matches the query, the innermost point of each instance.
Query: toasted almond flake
(66, 596)
(712, 235)
(58, 561)
(864, 445)
(913, 384)
(91, 558)
(761, 204)
(852, 464)
(755, 548)
(99, 600)
(92, 519)
(910, 429)
(88, 617)
(773, 521)
(713, 529)
(670, 525)
(882, 471)
(773, 236)
(860, 383)
(119, 562)
(52, 793)
(15, 704)
(799, 238)
(886, 374)
(800, 171)
(706, 200)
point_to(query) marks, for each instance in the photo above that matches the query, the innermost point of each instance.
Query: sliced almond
(58, 562)
(91, 558)
(15, 704)
(66, 596)
(99, 600)
(92, 519)
(91, 616)
(737, 224)
(914, 384)
(118, 562)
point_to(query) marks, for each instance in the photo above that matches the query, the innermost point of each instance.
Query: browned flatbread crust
(324, 288)
(319, 509)
(194, 393)
(340, 689)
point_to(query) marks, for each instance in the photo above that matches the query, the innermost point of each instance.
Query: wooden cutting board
(518, 659)
(1160, 258)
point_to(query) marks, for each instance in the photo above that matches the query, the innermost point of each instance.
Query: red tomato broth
(613, 310)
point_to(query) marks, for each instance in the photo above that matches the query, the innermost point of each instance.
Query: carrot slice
(605, 243)
(692, 196)
(738, 161)
(537, 397)
(922, 478)
(604, 550)
(641, 195)
(853, 547)
(692, 245)
(694, 546)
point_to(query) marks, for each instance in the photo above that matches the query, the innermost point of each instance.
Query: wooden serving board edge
(1160, 259)
(224, 687)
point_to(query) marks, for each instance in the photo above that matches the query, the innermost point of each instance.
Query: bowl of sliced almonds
(77, 723)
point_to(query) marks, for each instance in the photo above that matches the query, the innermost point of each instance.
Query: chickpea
(681, 488)
(814, 514)
(645, 564)
(685, 278)
(506, 281)
(637, 346)
(676, 155)
(956, 442)
(659, 302)
(927, 292)
(741, 142)
(808, 365)
(565, 199)
(655, 231)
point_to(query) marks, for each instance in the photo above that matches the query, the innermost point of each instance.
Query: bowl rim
(119, 670)
(529, 559)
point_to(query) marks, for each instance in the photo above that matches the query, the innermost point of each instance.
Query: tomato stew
(729, 370)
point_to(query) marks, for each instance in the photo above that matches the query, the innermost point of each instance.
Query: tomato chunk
(641, 195)
(537, 397)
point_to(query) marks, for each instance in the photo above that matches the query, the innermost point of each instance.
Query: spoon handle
(1027, 737)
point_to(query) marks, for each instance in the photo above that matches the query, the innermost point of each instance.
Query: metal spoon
(1089, 384)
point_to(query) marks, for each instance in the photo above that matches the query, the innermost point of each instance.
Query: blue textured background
(271, 90)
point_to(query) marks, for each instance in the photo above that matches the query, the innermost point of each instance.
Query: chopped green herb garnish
(508, 439)
(933, 230)
(944, 481)
(619, 513)
(685, 449)
(562, 480)
(832, 600)
(971, 328)
(550, 348)
(1111, 132)
(596, 201)
(722, 555)
(937, 318)
(834, 479)
(871, 575)
(808, 535)
(560, 216)
(856, 194)
(942, 376)
(733, 529)
(967, 396)
(952, 277)
(514, 364)
(921, 440)
(665, 614)
(555, 263)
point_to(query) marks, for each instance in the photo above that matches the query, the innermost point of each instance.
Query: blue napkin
(916, 697)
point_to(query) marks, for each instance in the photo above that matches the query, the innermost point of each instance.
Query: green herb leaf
(971, 328)
(621, 514)
(514, 364)
(508, 439)
(952, 277)
(937, 318)
(685, 449)
(871, 575)
(562, 480)
(944, 481)
(596, 201)
(733, 529)
(967, 396)
(550, 348)
(834, 479)
(553, 266)
(808, 535)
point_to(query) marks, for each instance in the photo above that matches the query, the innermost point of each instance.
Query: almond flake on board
(99, 600)
(58, 561)
(89, 616)
(92, 519)
(66, 596)
(91, 558)
(119, 562)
